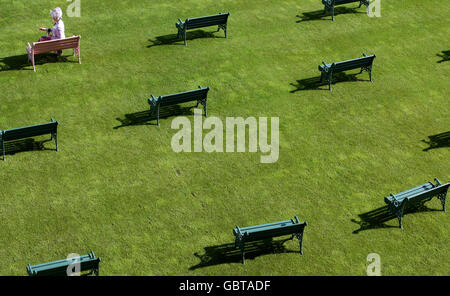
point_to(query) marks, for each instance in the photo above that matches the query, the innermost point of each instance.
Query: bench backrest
(275, 229)
(425, 191)
(352, 64)
(206, 21)
(182, 97)
(59, 267)
(29, 131)
(56, 44)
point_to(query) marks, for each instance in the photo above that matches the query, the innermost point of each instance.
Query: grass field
(117, 187)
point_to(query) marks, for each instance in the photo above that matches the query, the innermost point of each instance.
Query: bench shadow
(20, 62)
(314, 83)
(145, 118)
(441, 140)
(445, 55)
(23, 145)
(377, 218)
(172, 39)
(227, 253)
(319, 14)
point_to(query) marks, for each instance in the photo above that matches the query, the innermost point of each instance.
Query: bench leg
(370, 73)
(243, 253)
(157, 115)
(184, 36)
(79, 55)
(300, 241)
(32, 62)
(3, 149)
(332, 13)
(55, 135)
(399, 213)
(329, 81)
(442, 198)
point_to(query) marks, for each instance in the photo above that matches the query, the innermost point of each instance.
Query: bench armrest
(180, 23)
(325, 67)
(152, 101)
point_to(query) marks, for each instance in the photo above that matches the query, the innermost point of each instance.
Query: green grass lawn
(117, 187)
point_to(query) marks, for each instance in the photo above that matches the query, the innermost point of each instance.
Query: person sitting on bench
(57, 31)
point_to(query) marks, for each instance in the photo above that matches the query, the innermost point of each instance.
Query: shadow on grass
(377, 218)
(314, 83)
(19, 62)
(445, 55)
(172, 39)
(227, 253)
(438, 141)
(320, 14)
(23, 145)
(145, 118)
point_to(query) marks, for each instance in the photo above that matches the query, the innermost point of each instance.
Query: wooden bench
(420, 194)
(87, 262)
(270, 230)
(330, 4)
(219, 20)
(54, 45)
(198, 95)
(327, 70)
(29, 131)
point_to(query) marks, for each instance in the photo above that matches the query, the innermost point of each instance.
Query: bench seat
(87, 262)
(29, 131)
(54, 45)
(291, 227)
(219, 20)
(420, 194)
(364, 63)
(200, 95)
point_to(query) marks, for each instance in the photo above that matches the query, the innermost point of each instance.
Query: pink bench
(54, 45)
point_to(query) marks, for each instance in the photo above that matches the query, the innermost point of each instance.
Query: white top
(58, 30)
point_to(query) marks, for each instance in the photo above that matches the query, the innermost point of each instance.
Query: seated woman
(57, 31)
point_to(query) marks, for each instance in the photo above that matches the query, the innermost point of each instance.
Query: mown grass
(146, 210)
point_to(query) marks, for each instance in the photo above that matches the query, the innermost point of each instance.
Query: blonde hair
(56, 13)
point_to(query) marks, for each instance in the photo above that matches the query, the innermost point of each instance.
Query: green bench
(87, 262)
(420, 194)
(267, 231)
(198, 95)
(219, 20)
(330, 4)
(327, 70)
(29, 131)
